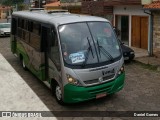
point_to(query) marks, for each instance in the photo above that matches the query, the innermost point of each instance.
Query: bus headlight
(121, 70)
(72, 80)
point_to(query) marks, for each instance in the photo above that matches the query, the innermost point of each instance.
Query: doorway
(122, 24)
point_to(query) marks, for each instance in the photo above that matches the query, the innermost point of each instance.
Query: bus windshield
(88, 43)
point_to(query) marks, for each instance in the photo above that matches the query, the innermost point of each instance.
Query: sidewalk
(142, 56)
(16, 95)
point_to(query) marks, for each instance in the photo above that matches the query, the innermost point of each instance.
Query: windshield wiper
(87, 54)
(99, 48)
(105, 51)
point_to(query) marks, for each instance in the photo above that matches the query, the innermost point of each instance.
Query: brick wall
(4, 11)
(104, 7)
(156, 32)
(92, 7)
(96, 8)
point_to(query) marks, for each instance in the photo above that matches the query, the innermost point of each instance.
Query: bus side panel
(13, 44)
(33, 59)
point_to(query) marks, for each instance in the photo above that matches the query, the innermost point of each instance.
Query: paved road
(141, 91)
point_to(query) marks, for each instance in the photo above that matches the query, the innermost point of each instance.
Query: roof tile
(153, 5)
(54, 4)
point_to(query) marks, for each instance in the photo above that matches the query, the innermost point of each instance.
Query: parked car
(5, 29)
(128, 53)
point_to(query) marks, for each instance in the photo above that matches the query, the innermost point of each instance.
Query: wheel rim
(58, 92)
(23, 64)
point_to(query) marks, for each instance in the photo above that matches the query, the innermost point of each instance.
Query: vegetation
(20, 3)
(147, 66)
(11, 2)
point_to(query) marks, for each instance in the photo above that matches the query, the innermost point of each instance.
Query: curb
(147, 66)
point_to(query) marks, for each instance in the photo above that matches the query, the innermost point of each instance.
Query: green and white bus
(77, 56)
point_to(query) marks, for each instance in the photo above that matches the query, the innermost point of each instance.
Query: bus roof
(56, 18)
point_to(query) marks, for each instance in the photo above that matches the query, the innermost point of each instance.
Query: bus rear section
(78, 57)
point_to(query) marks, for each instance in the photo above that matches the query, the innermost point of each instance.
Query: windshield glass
(5, 25)
(88, 43)
(104, 37)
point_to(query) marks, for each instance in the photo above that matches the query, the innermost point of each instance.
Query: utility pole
(39, 3)
(16, 7)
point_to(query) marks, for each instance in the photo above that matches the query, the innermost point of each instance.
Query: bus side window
(14, 26)
(54, 48)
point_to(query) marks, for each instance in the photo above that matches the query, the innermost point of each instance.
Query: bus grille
(94, 81)
(7, 33)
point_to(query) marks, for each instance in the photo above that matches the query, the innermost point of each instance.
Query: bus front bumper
(73, 94)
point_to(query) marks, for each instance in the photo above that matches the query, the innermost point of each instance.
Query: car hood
(5, 29)
(126, 48)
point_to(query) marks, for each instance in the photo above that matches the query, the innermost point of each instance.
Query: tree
(11, 2)
(18, 3)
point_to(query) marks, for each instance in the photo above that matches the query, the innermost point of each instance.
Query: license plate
(101, 95)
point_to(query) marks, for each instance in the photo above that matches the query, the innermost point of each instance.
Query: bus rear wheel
(23, 64)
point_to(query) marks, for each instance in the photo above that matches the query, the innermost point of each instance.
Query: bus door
(52, 58)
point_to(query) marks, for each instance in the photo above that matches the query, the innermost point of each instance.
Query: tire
(23, 64)
(58, 93)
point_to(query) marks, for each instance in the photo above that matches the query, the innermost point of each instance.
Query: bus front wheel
(58, 94)
(57, 91)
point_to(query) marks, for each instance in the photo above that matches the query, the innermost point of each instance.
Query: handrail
(35, 9)
(57, 11)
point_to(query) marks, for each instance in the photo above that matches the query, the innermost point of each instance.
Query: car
(128, 53)
(5, 29)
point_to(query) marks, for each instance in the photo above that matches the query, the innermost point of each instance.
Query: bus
(77, 56)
